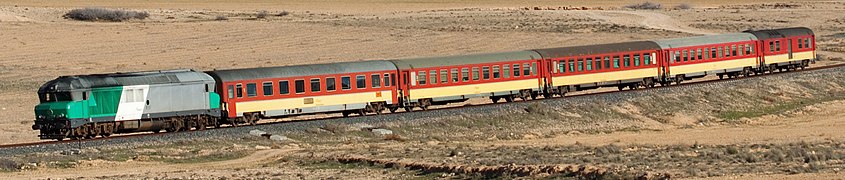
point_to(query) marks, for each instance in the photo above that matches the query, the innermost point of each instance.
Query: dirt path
(648, 19)
(105, 168)
(825, 122)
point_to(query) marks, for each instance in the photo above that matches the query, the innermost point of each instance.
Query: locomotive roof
(597, 49)
(781, 33)
(704, 40)
(301, 70)
(68, 83)
(464, 59)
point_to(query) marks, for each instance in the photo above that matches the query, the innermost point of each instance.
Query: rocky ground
(785, 128)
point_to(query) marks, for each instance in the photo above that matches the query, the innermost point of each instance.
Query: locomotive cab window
(345, 83)
(284, 87)
(251, 90)
(299, 86)
(267, 88)
(331, 84)
(231, 91)
(360, 82)
(376, 80)
(239, 90)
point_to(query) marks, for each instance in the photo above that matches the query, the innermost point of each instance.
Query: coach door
(790, 48)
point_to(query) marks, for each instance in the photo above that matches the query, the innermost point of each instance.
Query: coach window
(506, 71)
(386, 81)
(807, 43)
(465, 74)
(685, 56)
(571, 65)
(444, 76)
(251, 90)
(771, 46)
(534, 68)
(485, 72)
(698, 54)
(646, 59)
(267, 87)
(800, 43)
(315, 85)
(239, 90)
(345, 83)
(589, 64)
(455, 75)
(627, 60)
(231, 91)
(422, 78)
(516, 70)
(636, 60)
(598, 63)
(739, 51)
(711, 54)
(475, 73)
(360, 82)
(580, 65)
(777, 46)
(375, 80)
(496, 72)
(283, 87)
(331, 84)
(616, 62)
(733, 50)
(561, 66)
(607, 62)
(677, 56)
(299, 86)
(526, 70)
(719, 52)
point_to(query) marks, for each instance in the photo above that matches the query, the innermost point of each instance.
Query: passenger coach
(694, 57)
(629, 64)
(442, 80)
(347, 87)
(785, 49)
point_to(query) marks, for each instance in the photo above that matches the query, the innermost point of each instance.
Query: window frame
(331, 82)
(348, 85)
(311, 85)
(264, 88)
(375, 80)
(361, 81)
(254, 89)
(286, 87)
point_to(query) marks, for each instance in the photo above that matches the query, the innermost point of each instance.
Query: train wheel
(409, 109)
(345, 113)
(362, 112)
(495, 99)
(393, 109)
(721, 76)
(620, 87)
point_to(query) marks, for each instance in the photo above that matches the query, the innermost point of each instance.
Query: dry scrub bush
(101, 14)
(221, 18)
(645, 5)
(283, 13)
(261, 15)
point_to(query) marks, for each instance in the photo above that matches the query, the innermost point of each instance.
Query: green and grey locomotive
(86, 106)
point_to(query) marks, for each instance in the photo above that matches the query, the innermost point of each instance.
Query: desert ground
(39, 45)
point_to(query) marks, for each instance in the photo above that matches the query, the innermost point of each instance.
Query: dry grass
(646, 6)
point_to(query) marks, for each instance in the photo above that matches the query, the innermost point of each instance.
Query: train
(87, 106)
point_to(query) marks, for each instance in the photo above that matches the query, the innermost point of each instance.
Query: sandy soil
(39, 45)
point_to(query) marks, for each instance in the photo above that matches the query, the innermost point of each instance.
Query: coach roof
(704, 40)
(781, 33)
(465, 59)
(302, 70)
(597, 49)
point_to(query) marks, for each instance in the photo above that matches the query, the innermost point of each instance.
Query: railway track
(136, 135)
